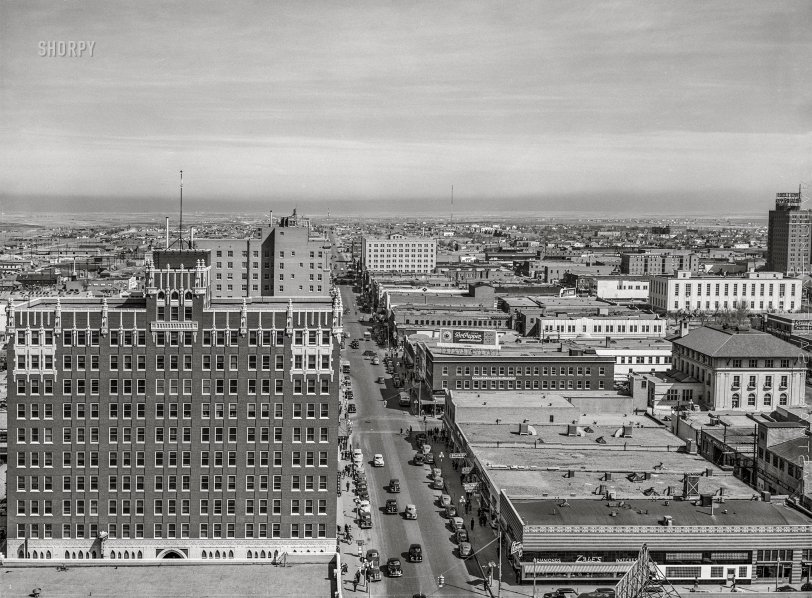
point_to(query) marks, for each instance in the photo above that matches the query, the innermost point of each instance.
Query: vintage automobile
(394, 485)
(377, 460)
(418, 459)
(429, 458)
(438, 484)
(410, 512)
(445, 500)
(416, 553)
(457, 523)
(461, 536)
(465, 549)
(391, 505)
(450, 510)
(351, 408)
(365, 520)
(393, 567)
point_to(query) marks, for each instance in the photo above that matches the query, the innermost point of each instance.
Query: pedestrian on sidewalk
(472, 523)
(401, 431)
(348, 485)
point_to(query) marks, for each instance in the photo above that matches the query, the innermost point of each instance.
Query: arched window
(93, 554)
(35, 555)
(126, 554)
(48, 554)
(782, 398)
(262, 554)
(204, 555)
(112, 554)
(248, 554)
(67, 554)
(217, 554)
(188, 295)
(140, 556)
(768, 400)
(231, 554)
(81, 555)
(751, 400)
(735, 403)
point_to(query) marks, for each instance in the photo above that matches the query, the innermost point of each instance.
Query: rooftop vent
(572, 430)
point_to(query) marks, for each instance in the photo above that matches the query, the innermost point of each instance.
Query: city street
(377, 429)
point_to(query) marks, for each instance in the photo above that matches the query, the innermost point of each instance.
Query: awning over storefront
(578, 568)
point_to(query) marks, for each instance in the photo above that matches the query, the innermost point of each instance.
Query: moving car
(416, 553)
(369, 353)
(391, 505)
(376, 360)
(393, 567)
(354, 345)
(465, 549)
(351, 408)
(404, 400)
(410, 512)
(445, 500)
(381, 380)
(394, 485)
(377, 460)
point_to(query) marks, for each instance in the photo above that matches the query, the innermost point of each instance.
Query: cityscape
(405, 300)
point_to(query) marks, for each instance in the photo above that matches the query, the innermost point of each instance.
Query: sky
(620, 106)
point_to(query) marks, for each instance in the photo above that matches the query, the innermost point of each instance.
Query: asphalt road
(377, 429)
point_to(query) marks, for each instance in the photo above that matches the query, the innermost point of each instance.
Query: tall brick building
(173, 425)
(285, 260)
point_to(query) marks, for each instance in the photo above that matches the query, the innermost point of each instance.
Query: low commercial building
(630, 355)
(703, 538)
(407, 320)
(615, 323)
(665, 391)
(754, 292)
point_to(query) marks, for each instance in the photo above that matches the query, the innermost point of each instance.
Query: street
(377, 429)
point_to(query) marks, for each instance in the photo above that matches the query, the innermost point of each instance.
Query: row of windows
(162, 435)
(766, 400)
(517, 371)
(81, 386)
(170, 507)
(717, 288)
(528, 384)
(174, 483)
(174, 410)
(621, 328)
(90, 531)
(220, 338)
(163, 458)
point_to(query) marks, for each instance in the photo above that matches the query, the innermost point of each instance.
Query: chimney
(271, 215)
(167, 232)
(683, 328)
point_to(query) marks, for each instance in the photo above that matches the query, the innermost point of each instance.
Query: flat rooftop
(513, 349)
(214, 580)
(621, 343)
(651, 513)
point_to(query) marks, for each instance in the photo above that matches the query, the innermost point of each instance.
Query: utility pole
(499, 549)
(535, 562)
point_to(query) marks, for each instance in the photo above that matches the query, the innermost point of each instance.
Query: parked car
(369, 353)
(357, 456)
(410, 512)
(375, 573)
(393, 567)
(394, 485)
(605, 592)
(450, 510)
(377, 460)
(436, 472)
(418, 459)
(365, 520)
(566, 593)
(461, 536)
(373, 556)
(416, 553)
(421, 438)
(351, 408)
(361, 485)
(381, 380)
(426, 448)
(364, 505)
(457, 523)
(376, 360)
(354, 345)
(445, 500)
(438, 484)
(429, 458)
(363, 494)
(391, 505)
(465, 549)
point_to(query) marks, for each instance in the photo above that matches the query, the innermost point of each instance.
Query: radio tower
(180, 222)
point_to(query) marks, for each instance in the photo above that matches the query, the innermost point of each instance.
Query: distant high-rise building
(396, 252)
(658, 263)
(788, 235)
(285, 260)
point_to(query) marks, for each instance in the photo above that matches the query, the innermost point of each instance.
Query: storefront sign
(581, 558)
(457, 455)
(496, 378)
(466, 470)
(470, 486)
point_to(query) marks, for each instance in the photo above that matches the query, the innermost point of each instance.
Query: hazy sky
(710, 100)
